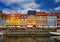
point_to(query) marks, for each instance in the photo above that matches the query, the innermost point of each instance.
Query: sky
(22, 6)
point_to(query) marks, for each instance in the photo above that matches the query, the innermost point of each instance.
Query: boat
(54, 33)
(57, 33)
(1, 33)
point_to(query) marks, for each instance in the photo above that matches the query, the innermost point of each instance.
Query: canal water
(30, 39)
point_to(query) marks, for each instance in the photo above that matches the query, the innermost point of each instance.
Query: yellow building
(13, 19)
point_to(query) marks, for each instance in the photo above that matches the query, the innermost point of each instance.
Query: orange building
(31, 21)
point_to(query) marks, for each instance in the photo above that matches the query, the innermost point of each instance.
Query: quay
(25, 32)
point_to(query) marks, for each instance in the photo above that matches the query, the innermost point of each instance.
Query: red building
(58, 19)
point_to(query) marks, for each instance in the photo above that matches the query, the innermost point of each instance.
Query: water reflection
(15, 39)
(56, 38)
(2, 38)
(30, 39)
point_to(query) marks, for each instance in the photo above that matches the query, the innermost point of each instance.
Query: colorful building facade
(13, 19)
(52, 20)
(41, 19)
(31, 19)
(58, 20)
(2, 19)
(23, 20)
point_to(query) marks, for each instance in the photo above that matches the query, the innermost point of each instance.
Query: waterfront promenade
(25, 32)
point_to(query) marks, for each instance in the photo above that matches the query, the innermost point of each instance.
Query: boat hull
(1, 33)
(54, 33)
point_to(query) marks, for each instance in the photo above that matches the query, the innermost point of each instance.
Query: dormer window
(8, 17)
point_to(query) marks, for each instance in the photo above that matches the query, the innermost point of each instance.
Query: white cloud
(22, 4)
(8, 2)
(57, 0)
(57, 8)
(31, 5)
(25, 4)
(9, 11)
(22, 11)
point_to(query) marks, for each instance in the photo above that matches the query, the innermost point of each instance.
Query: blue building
(2, 22)
(52, 20)
(2, 19)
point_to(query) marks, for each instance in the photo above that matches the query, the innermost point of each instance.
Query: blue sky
(15, 6)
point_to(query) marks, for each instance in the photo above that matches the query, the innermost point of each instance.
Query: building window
(21, 16)
(17, 17)
(8, 17)
(24, 16)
